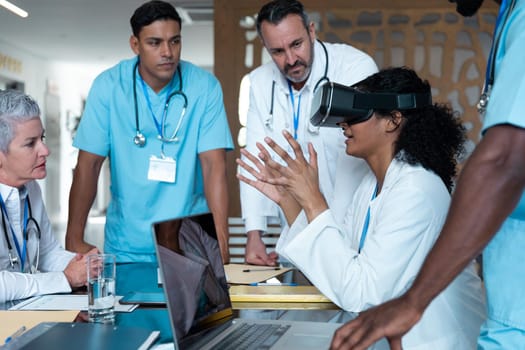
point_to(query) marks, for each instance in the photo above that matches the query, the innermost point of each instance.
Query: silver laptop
(198, 301)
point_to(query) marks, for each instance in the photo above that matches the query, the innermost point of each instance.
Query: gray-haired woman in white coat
(31, 260)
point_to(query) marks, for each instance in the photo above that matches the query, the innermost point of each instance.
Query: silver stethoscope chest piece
(484, 101)
(139, 139)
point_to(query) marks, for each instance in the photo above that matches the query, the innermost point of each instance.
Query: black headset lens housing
(334, 104)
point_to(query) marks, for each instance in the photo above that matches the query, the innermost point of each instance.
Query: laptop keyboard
(252, 337)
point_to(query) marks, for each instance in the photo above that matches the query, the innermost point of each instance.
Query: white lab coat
(53, 258)
(406, 218)
(347, 65)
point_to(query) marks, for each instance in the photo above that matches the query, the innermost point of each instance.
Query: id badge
(162, 169)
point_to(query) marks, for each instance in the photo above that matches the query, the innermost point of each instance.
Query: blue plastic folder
(83, 336)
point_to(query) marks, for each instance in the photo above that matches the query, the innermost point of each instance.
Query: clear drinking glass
(101, 287)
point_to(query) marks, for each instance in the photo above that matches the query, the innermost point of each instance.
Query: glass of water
(101, 287)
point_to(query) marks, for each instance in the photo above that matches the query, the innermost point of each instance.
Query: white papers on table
(65, 302)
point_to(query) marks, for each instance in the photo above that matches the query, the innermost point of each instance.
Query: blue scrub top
(503, 268)
(107, 128)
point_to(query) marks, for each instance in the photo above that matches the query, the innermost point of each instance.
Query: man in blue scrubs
(487, 211)
(162, 124)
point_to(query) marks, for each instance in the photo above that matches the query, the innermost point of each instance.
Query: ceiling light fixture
(13, 8)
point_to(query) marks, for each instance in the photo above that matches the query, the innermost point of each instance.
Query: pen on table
(262, 269)
(273, 284)
(15, 334)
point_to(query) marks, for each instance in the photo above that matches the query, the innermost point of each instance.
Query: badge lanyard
(295, 115)
(164, 169)
(367, 221)
(165, 111)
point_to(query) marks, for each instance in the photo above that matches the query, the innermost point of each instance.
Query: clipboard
(283, 294)
(84, 336)
(247, 274)
(11, 321)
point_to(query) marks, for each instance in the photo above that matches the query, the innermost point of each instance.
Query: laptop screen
(192, 272)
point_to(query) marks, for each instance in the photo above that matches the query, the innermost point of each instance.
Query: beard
(468, 8)
(300, 62)
(297, 79)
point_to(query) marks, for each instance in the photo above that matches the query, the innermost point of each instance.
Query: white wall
(71, 83)
(31, 70)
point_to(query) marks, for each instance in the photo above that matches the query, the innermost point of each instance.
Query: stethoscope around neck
(269, 120)
(18, 253)
(140, 139)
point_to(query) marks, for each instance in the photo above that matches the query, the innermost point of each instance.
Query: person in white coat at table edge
(281, 94)
(366, 248)
(31, 260)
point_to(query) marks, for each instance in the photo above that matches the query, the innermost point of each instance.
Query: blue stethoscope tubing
(139, 139)
(324, 78)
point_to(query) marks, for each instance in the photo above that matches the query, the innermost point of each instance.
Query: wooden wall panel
(443, 47)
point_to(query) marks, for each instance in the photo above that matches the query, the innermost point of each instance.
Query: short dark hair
(152, 11)
(275, 11)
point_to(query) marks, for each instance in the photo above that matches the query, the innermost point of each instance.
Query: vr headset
(334, 103)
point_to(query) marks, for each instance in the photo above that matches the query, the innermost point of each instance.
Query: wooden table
(279, 297)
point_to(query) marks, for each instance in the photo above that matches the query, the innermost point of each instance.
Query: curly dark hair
(432, 136)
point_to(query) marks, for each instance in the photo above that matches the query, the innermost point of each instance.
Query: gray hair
(15, 107)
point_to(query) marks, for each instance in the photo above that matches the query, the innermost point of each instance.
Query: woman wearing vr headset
(31, 260)
(364, 249)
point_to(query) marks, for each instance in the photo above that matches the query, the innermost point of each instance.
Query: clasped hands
(76, 270)
(293, 186)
